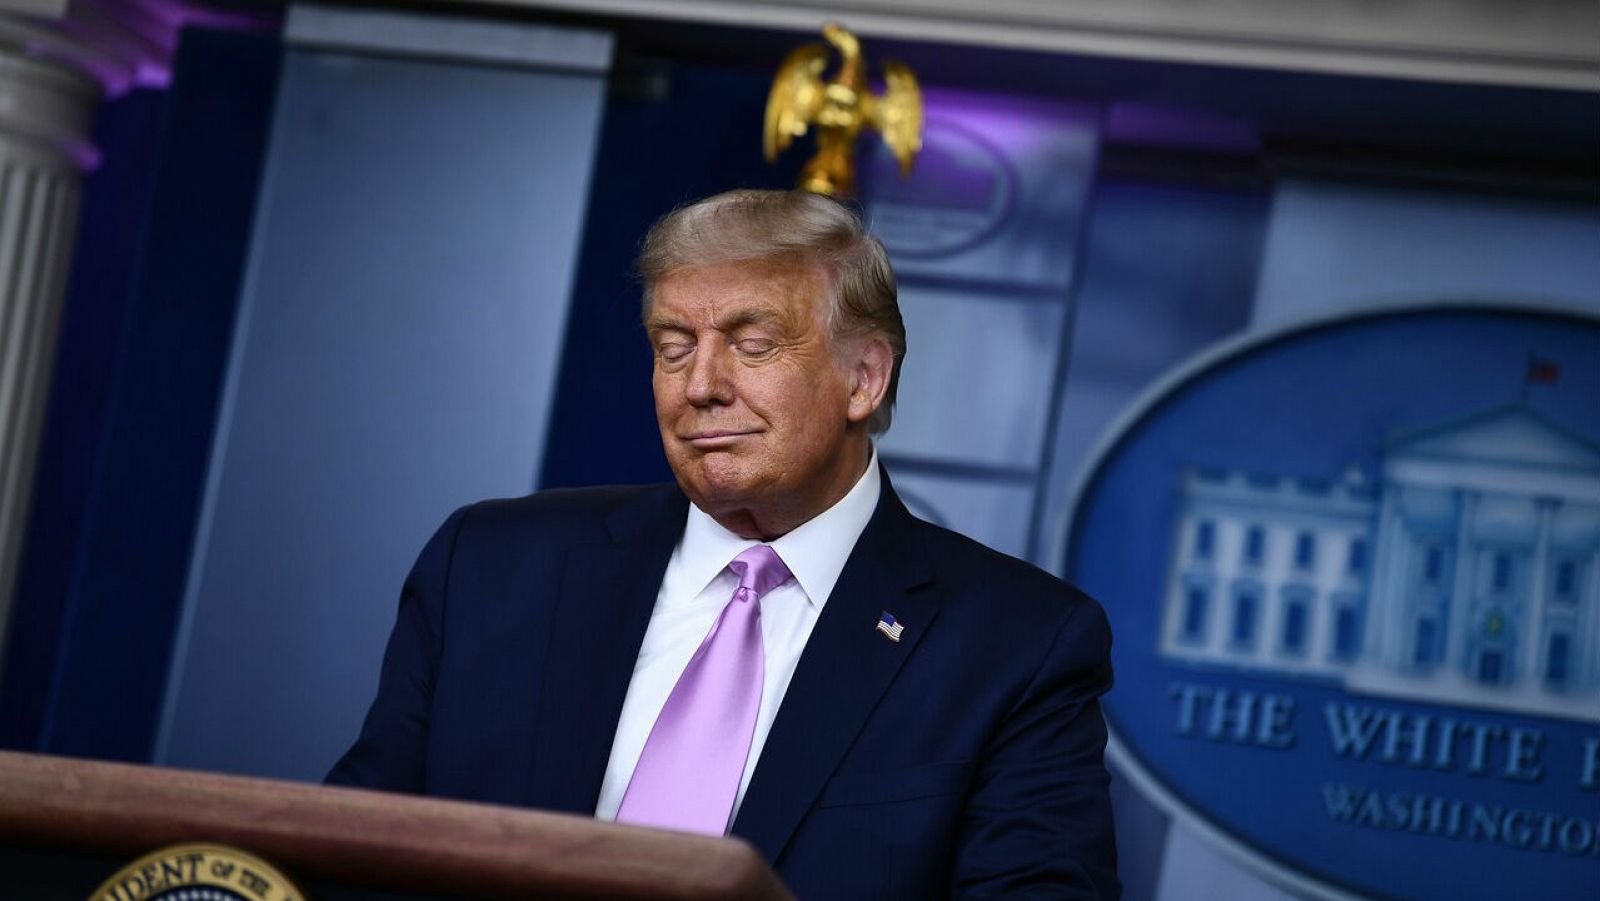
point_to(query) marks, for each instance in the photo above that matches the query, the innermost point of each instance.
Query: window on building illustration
(1346, 632)
(1491, 666)
(1205, 539)
(1555, 659)
(1194, 613)
(1566, 581)
(1245, 604)
(1433, 565)
(1357, 563)
(1305, 550)
(1294, 626)
(1255, 543)
(1310, 485)
(1427, 642)
(1500, 575)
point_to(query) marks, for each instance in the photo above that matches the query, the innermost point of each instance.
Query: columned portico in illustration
(1485, 537)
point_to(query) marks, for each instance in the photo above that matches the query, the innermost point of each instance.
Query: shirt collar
(815, 552)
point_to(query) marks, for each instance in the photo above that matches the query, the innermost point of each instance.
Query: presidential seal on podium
(198, 872)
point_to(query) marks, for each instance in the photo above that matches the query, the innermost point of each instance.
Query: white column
(1332, 583)
(77, 51)
(46, 110)
(1530, 638)
(1459, 609)
(1585, 659)
(1383, 645)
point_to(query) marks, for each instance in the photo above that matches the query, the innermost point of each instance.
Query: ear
(873, 362)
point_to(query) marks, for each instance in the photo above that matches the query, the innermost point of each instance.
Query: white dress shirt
(695, 588)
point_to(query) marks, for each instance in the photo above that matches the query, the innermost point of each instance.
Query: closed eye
(755, 347)
(674, 351)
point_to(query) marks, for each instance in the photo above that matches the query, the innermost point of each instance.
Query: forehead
(707, 295)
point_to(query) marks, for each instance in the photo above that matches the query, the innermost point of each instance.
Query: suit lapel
(846, 667)
(607, 594)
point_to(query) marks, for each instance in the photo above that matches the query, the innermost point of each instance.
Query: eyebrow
(735, 320)
(663, 324)
(755, 316)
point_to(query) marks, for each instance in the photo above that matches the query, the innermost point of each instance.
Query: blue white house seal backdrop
(1353, 568)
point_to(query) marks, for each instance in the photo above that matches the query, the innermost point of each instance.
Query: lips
(710, 439)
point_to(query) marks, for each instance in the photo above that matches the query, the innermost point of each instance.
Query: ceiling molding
(443, 37)
(1551, 44)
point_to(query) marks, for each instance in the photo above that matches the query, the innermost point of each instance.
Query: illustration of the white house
(1469, 573)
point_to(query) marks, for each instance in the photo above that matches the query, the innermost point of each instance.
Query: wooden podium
(63, 821)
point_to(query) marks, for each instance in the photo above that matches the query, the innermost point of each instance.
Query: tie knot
(759, 569)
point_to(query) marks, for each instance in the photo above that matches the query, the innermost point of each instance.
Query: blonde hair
(748, 225)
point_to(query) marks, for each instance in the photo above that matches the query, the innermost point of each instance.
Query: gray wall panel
(395, 357)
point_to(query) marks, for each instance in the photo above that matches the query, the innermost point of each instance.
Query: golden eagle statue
(840, 109)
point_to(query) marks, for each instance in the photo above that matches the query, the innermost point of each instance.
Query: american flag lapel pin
(890, 627)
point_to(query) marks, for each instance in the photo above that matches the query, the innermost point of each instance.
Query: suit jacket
(964, 759)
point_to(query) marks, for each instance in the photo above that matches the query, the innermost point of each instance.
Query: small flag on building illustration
(1542, 372)
(889, 627)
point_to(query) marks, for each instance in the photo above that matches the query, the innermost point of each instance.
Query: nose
(708, 378)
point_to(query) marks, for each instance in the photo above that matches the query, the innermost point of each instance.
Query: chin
(720, 493)
(720, 486)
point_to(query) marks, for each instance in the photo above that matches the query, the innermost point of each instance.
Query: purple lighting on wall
(1006, 120)
(1152, 124)
(967, 137)
(124, 44)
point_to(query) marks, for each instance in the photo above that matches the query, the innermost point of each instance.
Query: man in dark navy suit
(773, 647)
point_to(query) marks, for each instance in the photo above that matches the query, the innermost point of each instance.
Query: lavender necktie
(689, 771)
